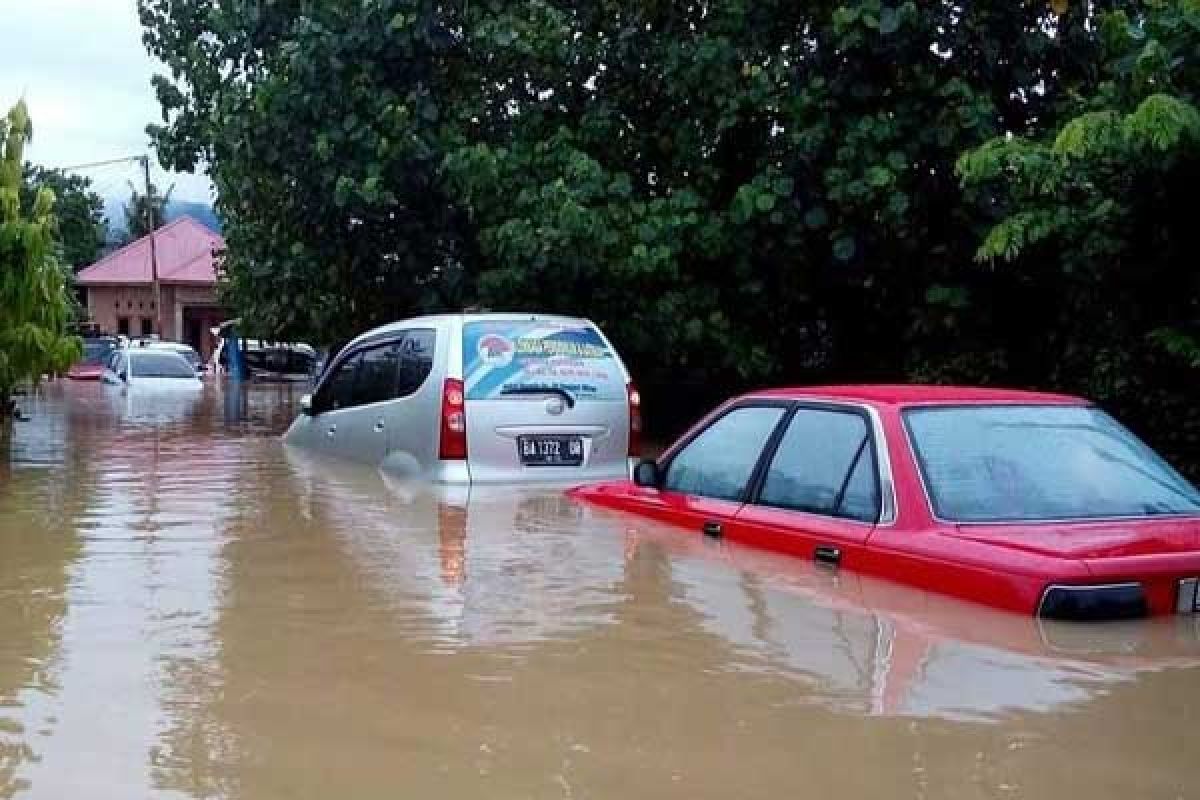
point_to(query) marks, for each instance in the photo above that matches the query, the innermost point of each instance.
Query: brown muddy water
(190, 610)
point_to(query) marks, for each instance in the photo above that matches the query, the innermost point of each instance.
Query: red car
(1032, 502)
(95, 352)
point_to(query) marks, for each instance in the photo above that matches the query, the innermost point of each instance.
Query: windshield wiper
(542, 390)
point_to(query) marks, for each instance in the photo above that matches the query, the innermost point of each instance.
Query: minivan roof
(466, 317)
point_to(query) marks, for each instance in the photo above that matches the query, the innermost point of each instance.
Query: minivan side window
(337, 392)
(718, 463)
(416, 361)
(392, 369)
(824, 464)
(376, 380)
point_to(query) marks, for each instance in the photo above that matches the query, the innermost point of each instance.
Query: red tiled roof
(184, 250)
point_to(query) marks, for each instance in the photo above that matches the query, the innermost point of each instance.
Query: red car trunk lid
(1093, 540)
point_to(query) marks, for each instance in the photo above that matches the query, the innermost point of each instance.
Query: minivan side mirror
(645, 474)
(306, 404)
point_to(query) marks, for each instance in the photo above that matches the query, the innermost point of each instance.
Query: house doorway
(197, 320)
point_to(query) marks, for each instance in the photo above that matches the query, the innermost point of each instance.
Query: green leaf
(844, 248)
(879, 177)
(816, 217)
(889, 21)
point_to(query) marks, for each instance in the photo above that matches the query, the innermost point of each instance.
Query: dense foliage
(740, 192)
(34, 300)
(81, 228)
(1091, 265)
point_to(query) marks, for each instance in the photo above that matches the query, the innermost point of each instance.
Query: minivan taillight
(453, 443)
(635, 421)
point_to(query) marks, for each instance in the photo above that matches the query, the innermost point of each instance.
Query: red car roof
(911, 394)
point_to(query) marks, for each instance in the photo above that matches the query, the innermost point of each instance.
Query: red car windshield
(1028, 463)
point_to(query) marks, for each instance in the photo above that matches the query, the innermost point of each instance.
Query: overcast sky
(85, 75)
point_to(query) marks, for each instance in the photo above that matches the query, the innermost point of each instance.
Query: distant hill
(201, 212)
(114, 210)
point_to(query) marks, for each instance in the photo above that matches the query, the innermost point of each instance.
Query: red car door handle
(713, 529)
(824, 554)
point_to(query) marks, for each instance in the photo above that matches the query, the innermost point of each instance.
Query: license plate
(550, 451)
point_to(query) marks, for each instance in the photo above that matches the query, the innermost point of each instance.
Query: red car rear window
(1026, 463)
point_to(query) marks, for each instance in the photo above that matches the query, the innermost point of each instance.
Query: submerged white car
(150, 368)
(478, 398)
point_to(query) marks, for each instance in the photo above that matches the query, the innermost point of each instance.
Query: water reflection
(191, 610)
(877, 648)
(37, 552)
(486, 566)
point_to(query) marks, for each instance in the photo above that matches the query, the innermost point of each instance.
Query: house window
(123, 326)
(147, 326)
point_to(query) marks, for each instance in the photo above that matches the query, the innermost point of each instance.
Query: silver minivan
(478, 398)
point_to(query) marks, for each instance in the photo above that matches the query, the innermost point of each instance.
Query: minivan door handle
(713, 528)
(331, 430)
(379, 426)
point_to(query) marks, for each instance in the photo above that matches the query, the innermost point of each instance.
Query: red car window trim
(758, 478)
(664, 464)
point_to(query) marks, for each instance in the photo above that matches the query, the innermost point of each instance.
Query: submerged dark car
(271, 361)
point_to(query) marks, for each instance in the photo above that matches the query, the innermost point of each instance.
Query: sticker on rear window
(500, 356)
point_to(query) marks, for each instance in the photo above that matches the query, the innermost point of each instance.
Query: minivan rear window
(500, 356)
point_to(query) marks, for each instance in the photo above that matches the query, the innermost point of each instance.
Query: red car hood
(85, 372)
(1094, 540)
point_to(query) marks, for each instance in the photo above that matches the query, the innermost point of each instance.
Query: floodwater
(190, 610)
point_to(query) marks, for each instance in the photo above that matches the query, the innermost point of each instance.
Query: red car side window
(720, 460)
(824, 464)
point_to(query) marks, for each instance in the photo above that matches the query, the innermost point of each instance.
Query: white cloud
(82, 68)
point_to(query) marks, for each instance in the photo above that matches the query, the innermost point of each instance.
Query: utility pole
(145, 162)
(158, 313)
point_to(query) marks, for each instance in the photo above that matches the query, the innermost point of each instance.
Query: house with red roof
(120, 286)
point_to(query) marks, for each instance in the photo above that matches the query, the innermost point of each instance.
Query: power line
(144, 162)
(124, 160)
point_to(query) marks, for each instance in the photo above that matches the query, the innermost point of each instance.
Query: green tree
(34, 300)
(321, 125)
(765, 171)
(740, 201)
(740, 192)
(81, 229)
(1093, 233)
(141, 209)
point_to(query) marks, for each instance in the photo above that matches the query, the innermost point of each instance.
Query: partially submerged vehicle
(269, 361)
(478, 398)
(1031, 502)
(150, 369)
(186, 350)
(96, 351)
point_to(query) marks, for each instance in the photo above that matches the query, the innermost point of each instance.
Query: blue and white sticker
(505, 355)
